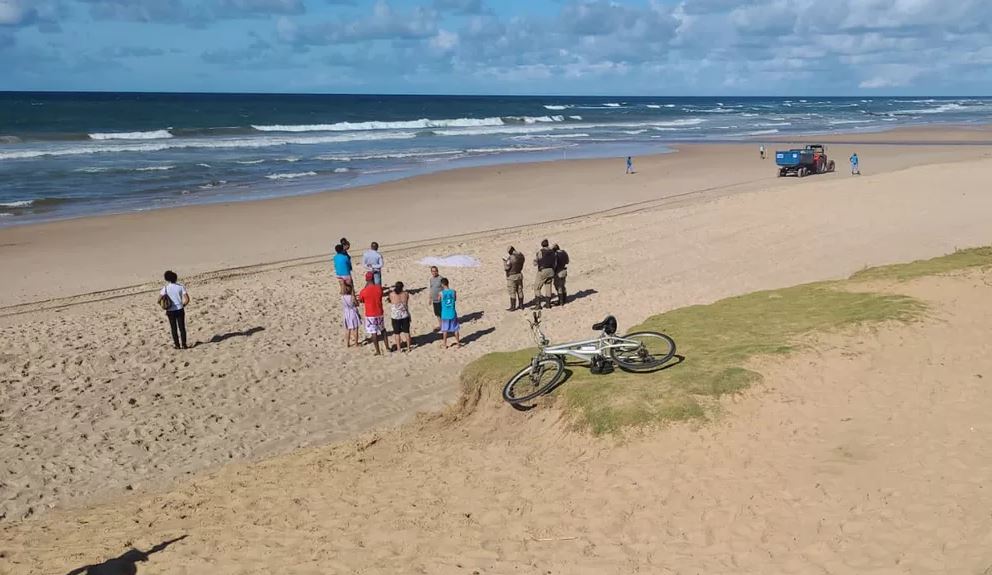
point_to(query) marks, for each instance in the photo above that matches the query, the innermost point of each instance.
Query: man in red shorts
(375, 323)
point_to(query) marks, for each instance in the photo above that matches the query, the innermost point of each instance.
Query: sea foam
(152, 135)
(291, 176)
(423, 123)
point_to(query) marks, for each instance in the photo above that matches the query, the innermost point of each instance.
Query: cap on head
(369, 276)
(544, 243)
(511, 250)
(555, 247)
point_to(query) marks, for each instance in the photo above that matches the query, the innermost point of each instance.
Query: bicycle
(638, 352)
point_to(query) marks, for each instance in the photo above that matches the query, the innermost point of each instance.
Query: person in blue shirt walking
(630, 165)
(449, 315)
(342, 268)
(855, 169)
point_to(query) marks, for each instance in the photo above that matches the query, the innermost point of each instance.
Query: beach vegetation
(719, 343)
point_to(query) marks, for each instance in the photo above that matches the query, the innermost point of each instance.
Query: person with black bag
(173, 299)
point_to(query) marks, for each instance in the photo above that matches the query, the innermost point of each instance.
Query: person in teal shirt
(449, 315)
(342, 267)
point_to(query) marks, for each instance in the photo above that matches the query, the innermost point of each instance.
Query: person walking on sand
(513, 265)
(175, 295)
(373, 262)
(630, 165)
(545, 262)
(371, 296)
(855, 168)
(399, 315)
(761, 151)
(449, 315)
(351, 318)
(435, 293)
(561, 273)
(342, 268)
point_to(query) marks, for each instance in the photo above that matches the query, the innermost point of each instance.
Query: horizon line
(469, 95)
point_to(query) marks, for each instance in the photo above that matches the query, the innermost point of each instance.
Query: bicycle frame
(585, 350)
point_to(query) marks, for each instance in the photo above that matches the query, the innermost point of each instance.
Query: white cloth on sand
(451, 262)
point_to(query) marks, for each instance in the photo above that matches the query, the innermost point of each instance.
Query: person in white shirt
(372, 260)
(178, 300)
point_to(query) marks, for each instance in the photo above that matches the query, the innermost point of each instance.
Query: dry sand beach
(103, 423)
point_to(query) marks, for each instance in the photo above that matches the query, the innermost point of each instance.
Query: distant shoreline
(934, 134)
(68, 155)
(56, 259)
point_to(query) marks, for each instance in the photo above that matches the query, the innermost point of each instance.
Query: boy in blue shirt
(342, 267)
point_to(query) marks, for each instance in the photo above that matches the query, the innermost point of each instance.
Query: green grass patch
(718, 341)
(959, 260)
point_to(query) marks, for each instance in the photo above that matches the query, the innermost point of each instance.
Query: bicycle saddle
(608, 325)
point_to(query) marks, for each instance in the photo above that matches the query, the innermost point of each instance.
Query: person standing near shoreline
(373, 262)
(399, 315)
(561, 273)
(448, 298)
(178, 299)
(855, 168)
(513, 265)
(630, 165)
(545, 262)
(435, 294)
(342, 268)
(375, 324)
(351, 318)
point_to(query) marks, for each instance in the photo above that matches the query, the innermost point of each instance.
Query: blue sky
(635, 47)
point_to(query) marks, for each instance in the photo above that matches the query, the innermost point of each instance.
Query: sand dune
(96, 403)
(96, 408)
(863, 454)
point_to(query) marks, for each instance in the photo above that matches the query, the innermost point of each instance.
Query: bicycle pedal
(601, 366)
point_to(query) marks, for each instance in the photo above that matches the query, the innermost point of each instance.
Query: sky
(569, 47)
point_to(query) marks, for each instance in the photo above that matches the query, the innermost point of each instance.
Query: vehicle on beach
(638, 352)
(801, 162)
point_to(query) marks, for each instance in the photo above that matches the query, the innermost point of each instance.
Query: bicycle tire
(644, 359)
(553, 365)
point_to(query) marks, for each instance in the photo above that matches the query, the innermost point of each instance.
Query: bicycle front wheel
(643, 352)
(534, 380)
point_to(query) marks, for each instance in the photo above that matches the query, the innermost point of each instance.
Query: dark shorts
(401, 325)
(437, 309)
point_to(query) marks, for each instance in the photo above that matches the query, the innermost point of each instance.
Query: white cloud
(444, 41)
(12, 12)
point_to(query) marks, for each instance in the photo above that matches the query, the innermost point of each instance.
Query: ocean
(72, 154)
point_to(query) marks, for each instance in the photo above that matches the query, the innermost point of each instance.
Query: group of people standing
(550, 261)
(552, 271)
(372, 297)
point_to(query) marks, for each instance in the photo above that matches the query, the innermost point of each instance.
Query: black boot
(562, 297)
(513, 304)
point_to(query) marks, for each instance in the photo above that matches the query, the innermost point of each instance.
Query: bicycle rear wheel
(647, 351)
(534, 380)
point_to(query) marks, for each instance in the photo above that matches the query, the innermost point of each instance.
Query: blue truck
(801, 162)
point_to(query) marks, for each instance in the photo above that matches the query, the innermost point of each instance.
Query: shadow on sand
(573, 364)
(126, 564)
(229, 335)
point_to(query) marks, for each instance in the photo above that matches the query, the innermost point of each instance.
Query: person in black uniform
(545, 262)
(561, 273)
